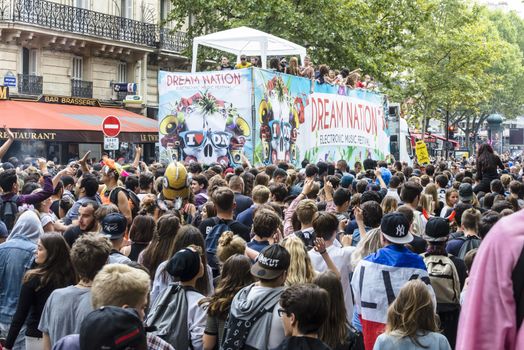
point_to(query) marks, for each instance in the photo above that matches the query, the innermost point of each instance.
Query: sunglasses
(242, 58)
(195, 139)
(280, 128)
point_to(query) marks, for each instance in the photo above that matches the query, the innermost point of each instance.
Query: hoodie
(267, 332)
(302, 343)
(28, 226)
(16, 256)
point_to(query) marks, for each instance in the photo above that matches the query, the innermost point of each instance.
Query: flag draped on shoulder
(377, 281)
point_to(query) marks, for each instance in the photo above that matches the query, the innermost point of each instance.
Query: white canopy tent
(249, 42)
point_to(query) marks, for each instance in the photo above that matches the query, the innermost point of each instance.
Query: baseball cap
(437, 230)
(184, 265)
(395, 228)
(346, 180)
(465, 192)
(271, 262)
(114, 225)
(111, 327)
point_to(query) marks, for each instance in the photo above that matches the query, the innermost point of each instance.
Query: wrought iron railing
(78, 20)
(172, 41)
(30, 84)
(81, 88)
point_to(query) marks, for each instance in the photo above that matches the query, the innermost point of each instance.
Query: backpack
(212, 243)
(132, 198)
(8, 212)
(236, 330)
(444, 278)
(469, 244)
(169, 316)
(307, 237)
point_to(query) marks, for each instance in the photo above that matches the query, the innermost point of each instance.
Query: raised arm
(7, 143)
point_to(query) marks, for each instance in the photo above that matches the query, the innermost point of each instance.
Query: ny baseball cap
(272, 262)
(437, 230)
(395, 228)
(114, 225)
(111, 327)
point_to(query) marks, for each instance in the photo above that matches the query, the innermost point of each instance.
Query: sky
(516, 5)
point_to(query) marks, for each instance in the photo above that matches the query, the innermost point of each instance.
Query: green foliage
(435, 56)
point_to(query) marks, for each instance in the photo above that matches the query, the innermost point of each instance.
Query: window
(164, 9)
(81, 3)
(126, 8)
(122, 72)
(29, 61)
(78, 68)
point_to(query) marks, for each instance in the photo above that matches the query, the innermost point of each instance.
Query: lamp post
(495, 131)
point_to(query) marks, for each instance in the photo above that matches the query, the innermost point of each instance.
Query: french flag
(377, 281)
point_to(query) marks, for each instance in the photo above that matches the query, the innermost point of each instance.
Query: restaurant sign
(4, 92)
(75, 101)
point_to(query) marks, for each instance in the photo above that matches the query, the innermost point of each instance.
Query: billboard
(205, 117)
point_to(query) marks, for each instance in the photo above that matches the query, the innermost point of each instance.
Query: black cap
(184, 265)
(111, 327)
(465, 192)
(272, 262)
(395, 228)
(437, 230)
(114, 225)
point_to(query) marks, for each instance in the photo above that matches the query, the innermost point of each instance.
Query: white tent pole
(195, 56)
(263, 55)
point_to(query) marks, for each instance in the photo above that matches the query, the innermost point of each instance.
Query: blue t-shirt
(258, 245)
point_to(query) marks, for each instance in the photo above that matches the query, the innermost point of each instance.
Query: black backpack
(8, 212)
(134, 201)
(469, 244)
(307, 237)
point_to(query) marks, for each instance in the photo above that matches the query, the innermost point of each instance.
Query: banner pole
(253, 117)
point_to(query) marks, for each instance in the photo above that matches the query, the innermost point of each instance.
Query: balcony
(70, 19)
(30, 84)
(81, 88)
(175, 42)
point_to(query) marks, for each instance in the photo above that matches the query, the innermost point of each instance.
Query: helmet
(176, 184)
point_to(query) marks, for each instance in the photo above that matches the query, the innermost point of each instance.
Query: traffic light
(451, 131)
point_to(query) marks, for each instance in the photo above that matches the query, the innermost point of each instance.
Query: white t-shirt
(196, 319)
(341, 257)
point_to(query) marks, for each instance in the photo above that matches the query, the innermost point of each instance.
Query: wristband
(322, 252)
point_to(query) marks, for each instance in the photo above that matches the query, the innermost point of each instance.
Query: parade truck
(268, 116)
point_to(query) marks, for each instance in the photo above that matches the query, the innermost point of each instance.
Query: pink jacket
(488, 316)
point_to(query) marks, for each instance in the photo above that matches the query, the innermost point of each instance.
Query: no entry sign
(111, 126)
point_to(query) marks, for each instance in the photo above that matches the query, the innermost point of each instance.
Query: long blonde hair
(300, 268)
(411, 312)
(426, 202)
(368, 245)
(389, 205)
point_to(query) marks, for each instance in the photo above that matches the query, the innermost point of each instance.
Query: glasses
(242, 58)
(279, 128)
(282, 312)
(195, 139)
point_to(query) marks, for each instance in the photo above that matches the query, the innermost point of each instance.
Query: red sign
(111, 126)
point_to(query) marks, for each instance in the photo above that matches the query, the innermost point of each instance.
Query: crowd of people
(323, 256)
(322, 74)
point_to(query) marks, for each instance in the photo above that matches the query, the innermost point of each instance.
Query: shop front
(64, 128)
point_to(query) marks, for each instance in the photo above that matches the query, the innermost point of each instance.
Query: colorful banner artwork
(343, 124)
(280, 102)
(205, 117)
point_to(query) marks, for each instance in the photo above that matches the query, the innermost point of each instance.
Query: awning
(433, 138)
(68, 123)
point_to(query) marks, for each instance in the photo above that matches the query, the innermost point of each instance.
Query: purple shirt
(33, 198)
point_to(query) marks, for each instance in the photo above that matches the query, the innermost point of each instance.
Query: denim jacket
(16, 257)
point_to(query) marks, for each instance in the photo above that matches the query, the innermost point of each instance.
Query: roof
(27, 115)
(247, 41)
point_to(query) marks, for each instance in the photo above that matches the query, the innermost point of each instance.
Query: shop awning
(70, 123)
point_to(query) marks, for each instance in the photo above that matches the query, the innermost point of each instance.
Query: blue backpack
(212, 243)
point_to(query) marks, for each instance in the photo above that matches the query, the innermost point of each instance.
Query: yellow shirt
(242, 65)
